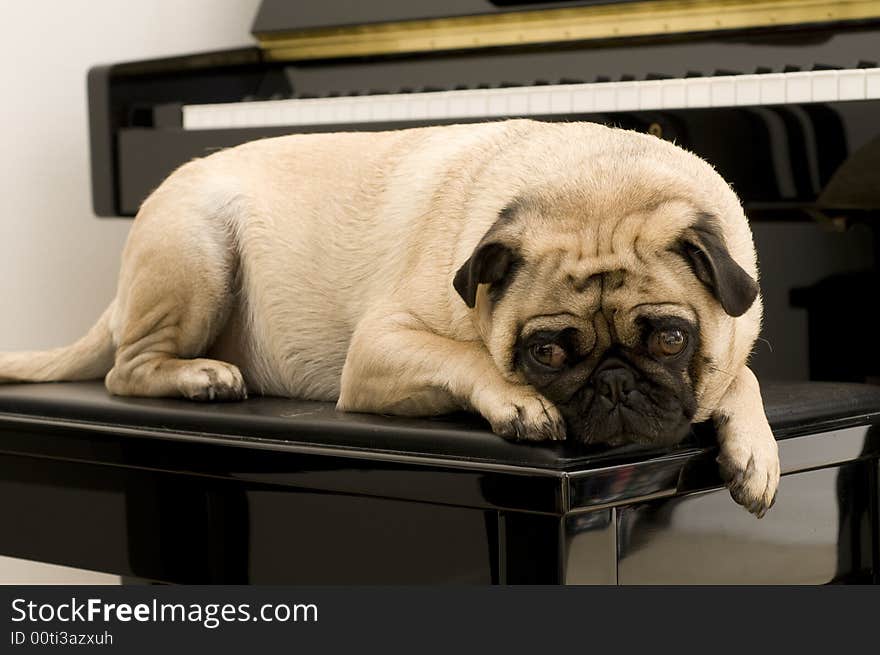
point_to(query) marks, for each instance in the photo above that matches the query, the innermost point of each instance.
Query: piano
(796, 101)
(781, 97)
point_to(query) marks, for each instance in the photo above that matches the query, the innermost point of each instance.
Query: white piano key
(204, 120)
(773, 89)
(418, 107)
(851, 85)
(497, 103)
(698, 92)
(272, 114)
(651, 94)
(605, 97)
(457, 104)
(583, 98)
(539, 101)
(674, 94)
(560, 99)
(517, 103)
(214, 117)
(380, 108)
(290, 114)
(255, 117)
(722, 91)
(193, 118)
(872, 83)
(824, 86)
(798, 87)
(343, 111)
(626, 96)
(225, 117)
(221, 115)
(748, 89)
(239, 118)
(477, 103)
(309, 112)
(438, 103)
(325, 110)
(361, 107)
(399, 108)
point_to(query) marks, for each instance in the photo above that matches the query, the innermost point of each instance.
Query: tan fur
(320, 266)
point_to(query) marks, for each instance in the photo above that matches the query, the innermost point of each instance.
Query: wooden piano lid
(306, 426)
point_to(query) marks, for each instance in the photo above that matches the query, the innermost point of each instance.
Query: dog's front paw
(521, 414)
(749, 462)
(209, 380)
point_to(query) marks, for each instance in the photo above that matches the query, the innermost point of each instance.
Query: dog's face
(621, 310)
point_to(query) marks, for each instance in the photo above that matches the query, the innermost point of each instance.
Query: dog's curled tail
(90, 358)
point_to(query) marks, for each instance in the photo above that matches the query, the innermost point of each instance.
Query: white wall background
(58, 262)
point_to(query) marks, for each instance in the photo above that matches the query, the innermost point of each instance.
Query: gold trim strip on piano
(636, 19)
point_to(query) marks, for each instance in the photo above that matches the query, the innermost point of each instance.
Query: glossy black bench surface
(267, 422)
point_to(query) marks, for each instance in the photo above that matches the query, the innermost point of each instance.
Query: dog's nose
(615, 384)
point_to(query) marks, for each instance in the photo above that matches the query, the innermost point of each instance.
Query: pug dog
(560, 279)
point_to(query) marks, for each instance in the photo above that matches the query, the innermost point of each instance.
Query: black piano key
(540, 83)
(570, 80)
(431, 89)
(866, 64)
(791, 69)
(763, 70)
(722, 72)
(692, 73)
(658, 76)
(509, 85)
(627, 78)
(825, 67)
(484, 85)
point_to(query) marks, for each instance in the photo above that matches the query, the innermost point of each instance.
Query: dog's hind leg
(176, 288)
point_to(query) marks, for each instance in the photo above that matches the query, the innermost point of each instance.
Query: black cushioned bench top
(792, 408)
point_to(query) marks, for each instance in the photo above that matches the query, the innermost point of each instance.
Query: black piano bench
(284, 491)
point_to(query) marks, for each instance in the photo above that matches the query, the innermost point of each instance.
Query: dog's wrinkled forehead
(609, 231)
(585, 252)
(602, 262)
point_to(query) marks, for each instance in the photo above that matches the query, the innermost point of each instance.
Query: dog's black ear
(489, 264)
(704, 248)
(495, 258)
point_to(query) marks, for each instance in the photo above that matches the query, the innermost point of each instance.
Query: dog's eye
(549, 354)
(667, 343)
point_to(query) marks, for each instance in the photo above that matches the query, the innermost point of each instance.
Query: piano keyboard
(601, 97)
